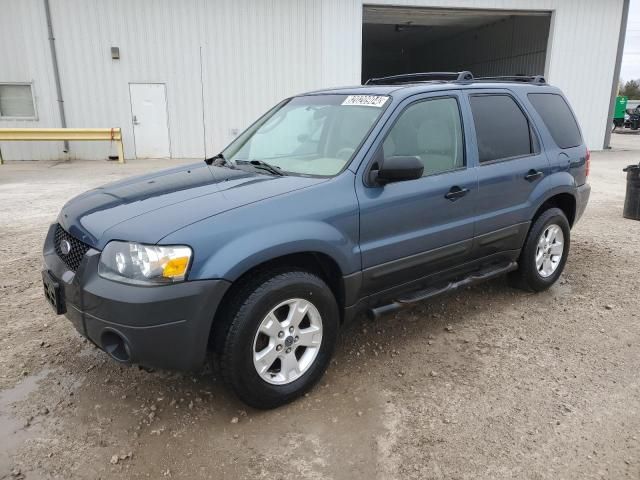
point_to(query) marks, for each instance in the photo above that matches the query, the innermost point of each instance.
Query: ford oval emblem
(65, 247)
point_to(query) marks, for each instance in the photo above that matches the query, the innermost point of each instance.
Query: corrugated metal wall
(516, 45)
(254, 52)
(257, 53)
(25, 57)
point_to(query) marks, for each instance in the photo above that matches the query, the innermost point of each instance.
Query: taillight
(588, 163)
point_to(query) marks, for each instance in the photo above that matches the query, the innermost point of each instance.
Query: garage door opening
(399, 40)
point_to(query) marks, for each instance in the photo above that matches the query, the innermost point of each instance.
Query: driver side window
(432, 131)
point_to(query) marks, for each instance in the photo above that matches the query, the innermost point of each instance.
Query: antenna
(204, 125)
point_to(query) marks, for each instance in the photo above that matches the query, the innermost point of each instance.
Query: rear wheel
(283, 329)
(545, 252)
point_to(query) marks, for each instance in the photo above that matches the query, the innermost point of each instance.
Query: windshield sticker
(365, 100)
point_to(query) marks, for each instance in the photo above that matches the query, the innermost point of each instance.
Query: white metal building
(184, 76)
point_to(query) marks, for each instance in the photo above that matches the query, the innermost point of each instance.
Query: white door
(150, 122)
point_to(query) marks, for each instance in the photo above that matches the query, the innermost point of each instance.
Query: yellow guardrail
(60, 134)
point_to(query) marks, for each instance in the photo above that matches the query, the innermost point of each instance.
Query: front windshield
(309, 135)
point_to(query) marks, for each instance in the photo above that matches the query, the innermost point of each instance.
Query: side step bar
(472, 279)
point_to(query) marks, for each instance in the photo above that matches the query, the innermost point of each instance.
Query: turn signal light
(176, 267)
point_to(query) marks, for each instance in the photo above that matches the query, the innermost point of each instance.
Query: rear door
(414, 228)
(511, 165)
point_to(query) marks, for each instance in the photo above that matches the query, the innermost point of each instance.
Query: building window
(16, 101)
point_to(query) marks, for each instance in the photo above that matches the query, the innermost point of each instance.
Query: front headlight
(140, 264)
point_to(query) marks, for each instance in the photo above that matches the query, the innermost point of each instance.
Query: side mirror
(398, 169)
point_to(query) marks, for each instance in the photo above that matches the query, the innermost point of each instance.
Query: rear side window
(558, 118)
(502, 130)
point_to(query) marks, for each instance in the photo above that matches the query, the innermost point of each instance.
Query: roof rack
(421, 77)
(537, 79)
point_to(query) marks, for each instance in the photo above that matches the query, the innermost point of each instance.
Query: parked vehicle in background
(632, 118)
(335, 202)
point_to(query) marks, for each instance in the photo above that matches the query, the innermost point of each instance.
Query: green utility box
(621, 107)
(620, 110)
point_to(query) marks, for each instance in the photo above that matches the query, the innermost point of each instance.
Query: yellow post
(120, 150)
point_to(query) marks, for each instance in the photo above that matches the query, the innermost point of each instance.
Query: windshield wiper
(219, 161)
(261, 165)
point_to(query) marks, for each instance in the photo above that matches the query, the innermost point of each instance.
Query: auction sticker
(365, 100)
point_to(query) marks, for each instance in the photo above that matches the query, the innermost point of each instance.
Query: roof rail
(421, 77)
(537, 79)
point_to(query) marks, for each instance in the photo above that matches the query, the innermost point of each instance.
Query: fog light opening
(116, 346)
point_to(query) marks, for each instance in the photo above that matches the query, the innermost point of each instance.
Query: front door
(415, 228)
(150, 121)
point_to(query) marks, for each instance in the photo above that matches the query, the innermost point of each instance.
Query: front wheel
(545, 252)
(283, 329)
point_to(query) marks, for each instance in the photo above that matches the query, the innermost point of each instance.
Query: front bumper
(163, 326)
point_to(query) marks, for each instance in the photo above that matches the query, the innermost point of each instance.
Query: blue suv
(335, 202)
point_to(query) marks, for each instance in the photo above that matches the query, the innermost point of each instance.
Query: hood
(148, 207)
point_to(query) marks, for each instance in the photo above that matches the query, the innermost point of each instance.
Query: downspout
(616, 72)
(56, 71)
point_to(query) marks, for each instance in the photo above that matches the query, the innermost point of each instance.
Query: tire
(251, 305)
(529, 275)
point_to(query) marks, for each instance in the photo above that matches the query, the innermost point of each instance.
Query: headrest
(435, 136)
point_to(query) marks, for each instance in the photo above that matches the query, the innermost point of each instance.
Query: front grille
(76, 252)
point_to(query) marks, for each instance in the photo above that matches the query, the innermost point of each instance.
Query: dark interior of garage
(399, 40)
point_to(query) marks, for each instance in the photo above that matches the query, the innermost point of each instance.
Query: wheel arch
(564, 200)
(319, 263)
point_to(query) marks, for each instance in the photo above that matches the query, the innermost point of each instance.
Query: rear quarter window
(558, 118)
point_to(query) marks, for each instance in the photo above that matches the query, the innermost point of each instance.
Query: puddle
(12, 430)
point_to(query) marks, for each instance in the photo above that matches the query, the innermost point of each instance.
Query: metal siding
(254, 52)
(158, 44)
(259, 53)
(24, 57)
(498, 51)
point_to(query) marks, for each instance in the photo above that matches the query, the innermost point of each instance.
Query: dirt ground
(488, 383)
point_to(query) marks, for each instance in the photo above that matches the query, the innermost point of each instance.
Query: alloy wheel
(549, 250)
(287, 341)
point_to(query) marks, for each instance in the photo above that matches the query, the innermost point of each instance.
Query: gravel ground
(487, 383)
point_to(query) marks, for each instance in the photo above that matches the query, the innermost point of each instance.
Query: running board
(472, 279)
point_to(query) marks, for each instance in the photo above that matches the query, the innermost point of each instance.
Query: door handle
(455, 193)
(533, 175)
(135, 120)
